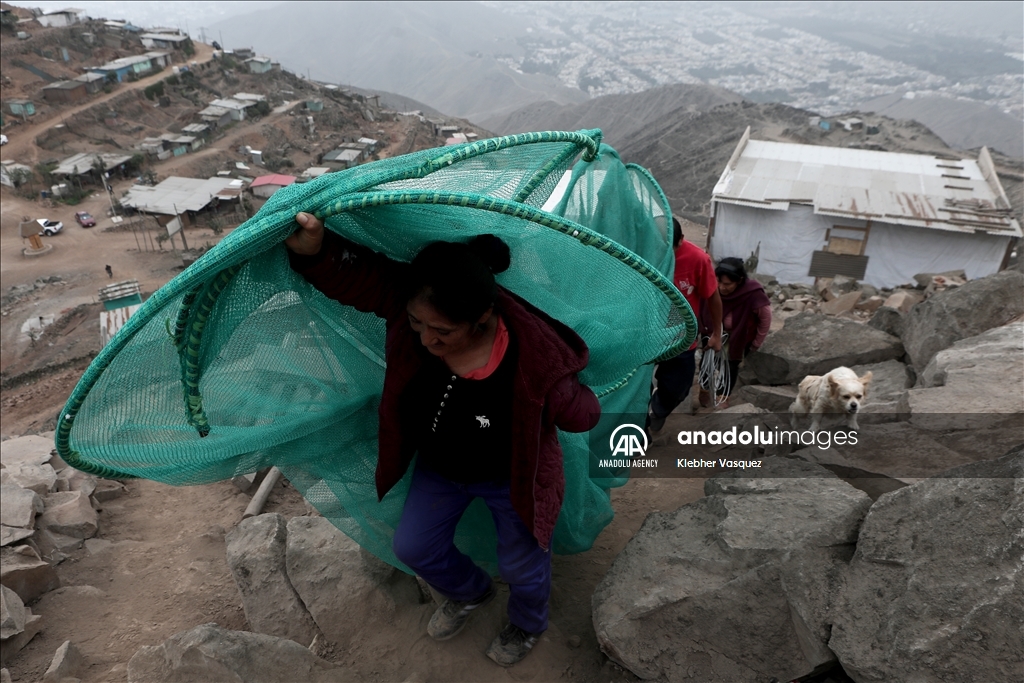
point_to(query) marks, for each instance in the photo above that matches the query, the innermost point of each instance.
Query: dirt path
(158, 567)
(22, 147)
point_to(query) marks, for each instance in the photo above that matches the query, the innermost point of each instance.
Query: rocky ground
(802, 571)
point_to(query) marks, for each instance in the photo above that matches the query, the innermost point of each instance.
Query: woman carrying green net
(240, 363)
(478, 382)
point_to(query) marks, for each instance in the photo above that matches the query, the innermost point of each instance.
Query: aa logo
(629, 441)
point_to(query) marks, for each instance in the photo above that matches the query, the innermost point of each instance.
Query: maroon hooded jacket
(546, 392)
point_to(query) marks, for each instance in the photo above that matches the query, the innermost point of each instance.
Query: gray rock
(888, 320)
(67, 663)
(244, 482)
(5, 676)
(737, 586)
(841, 284)
(933, 592)
(345, 589)
(14, 644)
(38, 478)
(107, 490)
(22, 571)
(71, 479)
(811, 344)
(256, 555)
(975, 384)
(69, 513)
(217, 655)
(12, 613)
(26, 450)
(897, 450)
(773, 399)
(18, 506)
(54, 548)
(889, 380)
(962, 312)
(867, 291)
(12, 534)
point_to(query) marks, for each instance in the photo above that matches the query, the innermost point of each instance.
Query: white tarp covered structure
(881, 217)
(175, 195)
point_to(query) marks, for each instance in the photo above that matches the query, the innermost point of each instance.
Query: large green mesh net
(238, 363)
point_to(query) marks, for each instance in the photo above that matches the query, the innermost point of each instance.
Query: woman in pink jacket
(477, 384)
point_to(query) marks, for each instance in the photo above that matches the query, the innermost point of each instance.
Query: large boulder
(810, 344)
(25, 573)
(69, 513)
(344, 588)
(973, 385)
(966, 311)
(933, 592)
(217, 655)
(256, 555)
(12, 613)
(19, 506)
(737, 586)
(26, 450)
(39, 478)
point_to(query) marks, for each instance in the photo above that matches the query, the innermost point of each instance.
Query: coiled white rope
(714, 371)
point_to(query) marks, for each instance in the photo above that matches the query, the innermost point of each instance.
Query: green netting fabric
(238, 363)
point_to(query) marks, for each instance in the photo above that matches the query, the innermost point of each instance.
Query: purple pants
(424, 540)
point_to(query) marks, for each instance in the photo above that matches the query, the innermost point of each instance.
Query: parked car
(49, 227)
(84, 219)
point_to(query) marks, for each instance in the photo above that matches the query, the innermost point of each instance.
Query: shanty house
(341, 159)
(138, 64)
(880, 217)
(21, 107)
(93, 81)
(215, 116)
(180, 197)
(266, 185)
(65, 91)
(159, 58)
(62, 17)
(163, 41)
(259, 65)
(88, 163)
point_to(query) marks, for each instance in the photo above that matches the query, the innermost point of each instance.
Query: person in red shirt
(695, 279)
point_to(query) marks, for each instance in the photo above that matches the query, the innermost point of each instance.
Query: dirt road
(22, 147)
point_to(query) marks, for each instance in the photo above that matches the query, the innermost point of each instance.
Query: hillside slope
(963, 125)
(618, 116)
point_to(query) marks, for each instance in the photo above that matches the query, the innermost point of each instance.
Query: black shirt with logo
(463, 427)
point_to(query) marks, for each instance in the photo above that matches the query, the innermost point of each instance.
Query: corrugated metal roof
(274, 179)
(921, 190)
(176, 195)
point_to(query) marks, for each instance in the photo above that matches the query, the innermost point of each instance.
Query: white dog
(839, 391)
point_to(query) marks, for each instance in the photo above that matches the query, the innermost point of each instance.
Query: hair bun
(493, 251)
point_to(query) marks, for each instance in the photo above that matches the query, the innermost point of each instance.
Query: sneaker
(511, 645)
(451, 617)
(655, 424)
